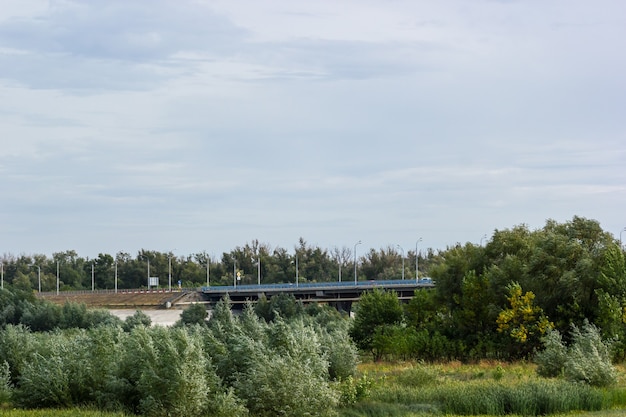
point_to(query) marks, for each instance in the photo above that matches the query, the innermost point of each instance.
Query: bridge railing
(426, 282)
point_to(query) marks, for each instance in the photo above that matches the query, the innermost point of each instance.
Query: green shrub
(353, 390)
(139, 318)
(588, 358)
(194, 314)
(5, 384)
(551, 360)
(285, 386)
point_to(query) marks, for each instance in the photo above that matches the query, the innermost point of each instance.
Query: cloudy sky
(185, 126)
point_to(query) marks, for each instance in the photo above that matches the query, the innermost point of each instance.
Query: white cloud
(202, 125)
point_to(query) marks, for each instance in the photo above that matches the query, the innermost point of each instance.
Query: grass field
(421, 390)
(486, 389)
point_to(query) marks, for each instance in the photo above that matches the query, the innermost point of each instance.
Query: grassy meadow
(453, 389)
(486, 388)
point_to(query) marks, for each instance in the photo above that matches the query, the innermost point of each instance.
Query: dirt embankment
(123, 300)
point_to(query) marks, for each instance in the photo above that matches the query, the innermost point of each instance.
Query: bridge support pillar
(342, 306)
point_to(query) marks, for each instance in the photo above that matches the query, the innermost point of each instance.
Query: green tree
(194, 314)
(375, 309)
(523, 321)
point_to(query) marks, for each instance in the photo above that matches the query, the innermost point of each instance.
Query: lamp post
(234, 272)
(57, 277)
(481, 239)
(116, 276)
(620, 237)
(340, 261)
(355, 276)
(93, 278)
(208, 268)
(402, 249)
(417, 275)
(296, 269)
(258, 270)
(2, 276)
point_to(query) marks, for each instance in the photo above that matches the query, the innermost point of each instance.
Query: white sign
(153, 282)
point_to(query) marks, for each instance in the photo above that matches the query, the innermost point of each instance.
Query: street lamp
(2, 276)
(481, 239)
(208, 268)
(115, 276)
(340, 261)
(417, 275)
(400, 247)
(234, 272)
(355, 278)
(57, 277)
(258, 273)
(620, 237)
(93, 278)
(169, 278)
(296, 269)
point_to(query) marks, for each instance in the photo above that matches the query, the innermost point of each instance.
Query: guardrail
(425, 282)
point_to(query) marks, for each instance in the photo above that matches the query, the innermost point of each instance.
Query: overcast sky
(190, 126)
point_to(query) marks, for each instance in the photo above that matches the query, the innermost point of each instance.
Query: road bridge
(341, 295)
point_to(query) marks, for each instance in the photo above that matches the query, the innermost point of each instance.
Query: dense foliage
(226, 366)
(499, 300)
(557, 294)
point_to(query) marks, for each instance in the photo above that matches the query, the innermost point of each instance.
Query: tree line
(501, 300)
(242, 265)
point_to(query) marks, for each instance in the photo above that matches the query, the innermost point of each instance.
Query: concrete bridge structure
(340, 295)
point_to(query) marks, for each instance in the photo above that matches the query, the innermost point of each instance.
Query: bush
(138, 319)
(551, 360)
(588, 359)
(194, 314)
(5, 384)
(284, 386)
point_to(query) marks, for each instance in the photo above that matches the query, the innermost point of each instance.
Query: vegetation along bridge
(341, 295)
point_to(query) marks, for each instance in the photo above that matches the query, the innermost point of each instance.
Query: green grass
(58, 413)
(486, 389)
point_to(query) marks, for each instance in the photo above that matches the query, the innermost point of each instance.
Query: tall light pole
(258, 270)
(417, 274)
(620, 237)
(402, 249)
(355, 276)
(234, 272)
(2, 276)
(115, 276)
(482, 238)
(208, 268)
(340, 261)
(169, 277)
(296, 269)
(57, 277)
(93, 278)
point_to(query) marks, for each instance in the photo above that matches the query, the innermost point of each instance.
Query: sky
(189, 126)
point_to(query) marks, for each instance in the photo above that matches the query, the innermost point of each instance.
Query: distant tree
(194, 314)
(139, 318)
